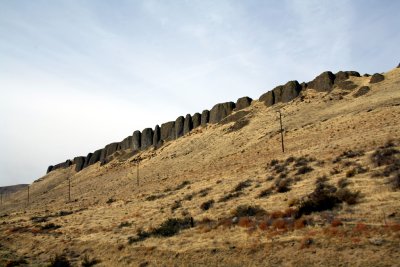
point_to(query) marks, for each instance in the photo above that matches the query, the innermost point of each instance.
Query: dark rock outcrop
(323, 82)
(79, 162)
(287, 92)
(366, 75)
(126, 143)
(62, 165)
(95, 157)
(268, 98)
(87, 159)
(157, 137)
(179, 124)
(136, 140)
(147, 138)
(376, 78)
(344, 75)
(243, 102)
(220, 111)
(168, 131)
(362, 91)
(398, 66)
(49, 169)
(205, 117)
(109, 150)
(196, 120)
(188, 125)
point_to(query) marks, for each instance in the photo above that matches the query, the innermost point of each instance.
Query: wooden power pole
(69, 189)
(280, 120)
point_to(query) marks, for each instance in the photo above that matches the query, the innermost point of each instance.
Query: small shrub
(140, 236)
(349, 154)
(230, 196)
(189, 197)
(321, 179)
(347, 196)
(154, 197)
(385, 155)
(304, 169)
(306, 242)
(270, 178)
(351, 173)
(173, 226)
(360, 227)
(300, 223)
(276, 214)
(207, 205)
(87, 262)
(124, 224)
(273, 162)
(50, 226)
(246, 211)
(241, 186)
(279, 224)
(64, 213)
(263, 226)
(395, 181)
(278, 168)
(245, 222)
(59, 261)
(110, 200)
(265, 193)
(204, 192)
(303, 161)
(336, 223)
(182, 185)
(283, 185)
(39, 219)
(176, 205)
(343, 182)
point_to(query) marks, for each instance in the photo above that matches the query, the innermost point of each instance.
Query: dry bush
(279, 223)
(204, 192)
(395, 181)
(155, 197)
(283, 185)
(385, 155)
(59, 261)
(207, 205)
(182, 185)
(349, 154)
(230, 196)
(265, 193)
(124, 224)
(343, 182)
(242, 185)
(87, 261)
(300, 223)
(306, 242)
(245, 222)
(110, 200)
(263, 226)
(360, 227)
(304, 170)
(176, 205)
(336, 223)
(345, 195)
(49, 226)
(246, 211)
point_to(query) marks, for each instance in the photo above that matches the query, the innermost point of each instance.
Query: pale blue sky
(77, 75)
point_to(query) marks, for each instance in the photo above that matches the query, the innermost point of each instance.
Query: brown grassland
(226, 195)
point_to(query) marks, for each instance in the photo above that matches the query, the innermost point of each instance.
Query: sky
(76, 75)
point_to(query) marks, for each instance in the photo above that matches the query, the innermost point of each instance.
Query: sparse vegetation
(87, 261)
(59, 261)
(155, 197)
(168, 228)
(50, 226)
(304, 169)
(124, 224)
(265, 193)
(207, 205)
(242, 185)
(245, 210)
(182, 185)
(110, 200)
(230, 196)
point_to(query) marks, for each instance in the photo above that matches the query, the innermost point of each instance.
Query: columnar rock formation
(220, 111)
(172, 130)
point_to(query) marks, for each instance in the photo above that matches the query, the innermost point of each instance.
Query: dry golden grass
(214, 160)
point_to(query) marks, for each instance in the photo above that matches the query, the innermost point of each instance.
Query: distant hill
(12, 188)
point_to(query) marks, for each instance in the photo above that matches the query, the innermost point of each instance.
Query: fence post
(280, 120)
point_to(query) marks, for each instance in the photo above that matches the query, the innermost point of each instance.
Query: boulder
(168, 131)
(268, 98)
(95, 157)
(243, 102)
(87, 159)
(49, 169)
(188, 125)
(287, 92)
(303, 86)
(205, 117)
(147, 138)
(366, 75)
(79, 162)
(398, 66)
(220, 111)
(323, 82)
(344, 75)
(196, 120)
(127, 143)
(157, 137)
(109, 150)
(362, 91)
(179, 124)
(136, 140)
(62, 165)
(376, 78)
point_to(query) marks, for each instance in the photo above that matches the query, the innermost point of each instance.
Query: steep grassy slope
(208, 174)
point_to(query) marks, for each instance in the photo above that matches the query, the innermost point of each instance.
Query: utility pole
(280, 120)
(137, 172)
(28, 195)
(69, 189)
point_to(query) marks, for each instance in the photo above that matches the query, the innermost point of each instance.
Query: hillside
(332, 198)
